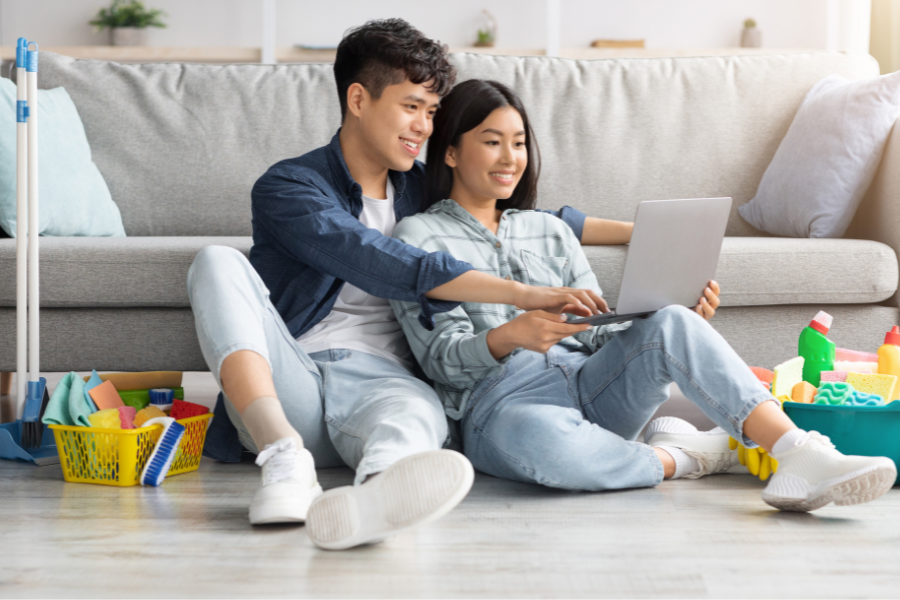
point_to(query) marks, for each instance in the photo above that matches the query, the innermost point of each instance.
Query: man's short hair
(387, 52)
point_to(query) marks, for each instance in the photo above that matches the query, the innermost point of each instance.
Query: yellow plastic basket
(117, 456)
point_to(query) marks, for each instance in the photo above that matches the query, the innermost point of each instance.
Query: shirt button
(507, 278)
(504, 217)
(497, 245)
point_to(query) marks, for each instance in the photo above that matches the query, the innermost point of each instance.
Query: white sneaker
(411, 492)
(813, 473)
(709, 448)
(289, 484)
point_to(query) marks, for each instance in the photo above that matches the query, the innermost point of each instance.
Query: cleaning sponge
(145, 414)
(875, 383)
(787, 375)
(804, 392)
(106, 419)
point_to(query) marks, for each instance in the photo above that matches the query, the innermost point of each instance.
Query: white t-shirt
(360, 321)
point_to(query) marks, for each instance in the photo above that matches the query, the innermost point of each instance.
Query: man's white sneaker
(813, 473)
(411, 492)
(289, 484)
(709, 448)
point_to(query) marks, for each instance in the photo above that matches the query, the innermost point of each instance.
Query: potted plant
(128, 21)
(751, 37)
(488, 35)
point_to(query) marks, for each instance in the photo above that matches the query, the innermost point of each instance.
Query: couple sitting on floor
(367, 264)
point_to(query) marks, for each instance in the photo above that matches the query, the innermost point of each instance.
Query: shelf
(298, 55)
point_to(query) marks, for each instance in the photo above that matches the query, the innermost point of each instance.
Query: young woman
(542, 401)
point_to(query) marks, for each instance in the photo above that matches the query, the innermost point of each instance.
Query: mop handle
(21, 226)
(34, 323)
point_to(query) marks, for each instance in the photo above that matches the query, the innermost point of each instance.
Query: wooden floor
(191, 538)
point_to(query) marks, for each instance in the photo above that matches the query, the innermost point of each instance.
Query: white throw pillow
(828, 158)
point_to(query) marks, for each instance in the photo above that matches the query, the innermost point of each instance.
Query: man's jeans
(350, 407)
(568, 419)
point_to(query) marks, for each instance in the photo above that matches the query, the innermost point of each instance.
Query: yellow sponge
(873, 383)
(787, 375)
(107, 419)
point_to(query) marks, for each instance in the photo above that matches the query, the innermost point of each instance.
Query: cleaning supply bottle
(889, 359)
(816, 349)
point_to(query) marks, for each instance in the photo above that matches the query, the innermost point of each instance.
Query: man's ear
(357, 96)
(450, 157)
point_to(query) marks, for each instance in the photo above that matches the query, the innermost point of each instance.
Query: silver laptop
(672, 257)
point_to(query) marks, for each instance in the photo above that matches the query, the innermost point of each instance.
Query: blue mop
(26, 439)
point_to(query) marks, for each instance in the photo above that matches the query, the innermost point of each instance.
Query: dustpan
(30, 386)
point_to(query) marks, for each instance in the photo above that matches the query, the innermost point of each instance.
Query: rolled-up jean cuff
(221, 355)
(739, 421)
(660, 469)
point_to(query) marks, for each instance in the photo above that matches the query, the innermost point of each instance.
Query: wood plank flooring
(191, 538)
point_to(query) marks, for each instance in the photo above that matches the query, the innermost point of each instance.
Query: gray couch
(180, 146)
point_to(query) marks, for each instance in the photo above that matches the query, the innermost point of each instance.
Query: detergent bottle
(889, 359)
(816, 349)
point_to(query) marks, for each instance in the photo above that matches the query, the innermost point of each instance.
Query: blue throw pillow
(73, 198)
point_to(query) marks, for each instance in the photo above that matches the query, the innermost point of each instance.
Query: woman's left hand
(707, 306)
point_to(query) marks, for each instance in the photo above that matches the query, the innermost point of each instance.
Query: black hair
(387, 52)
(467, 106)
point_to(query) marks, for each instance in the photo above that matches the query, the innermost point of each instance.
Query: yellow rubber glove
(757, 460)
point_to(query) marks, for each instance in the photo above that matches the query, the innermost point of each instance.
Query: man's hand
(560, 300)
(707, 306)
(536, 330)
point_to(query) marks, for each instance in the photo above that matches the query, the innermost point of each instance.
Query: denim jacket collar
(348, 185)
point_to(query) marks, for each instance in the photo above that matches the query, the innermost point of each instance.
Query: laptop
(672, 257)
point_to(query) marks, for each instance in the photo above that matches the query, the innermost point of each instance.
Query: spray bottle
(816, 349)
(889, 359)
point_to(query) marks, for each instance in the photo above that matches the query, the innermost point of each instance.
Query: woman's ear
(450, 157)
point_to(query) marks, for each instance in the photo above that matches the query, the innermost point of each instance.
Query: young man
(314, 367)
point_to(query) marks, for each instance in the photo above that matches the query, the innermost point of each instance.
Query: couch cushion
(152, 271)
(618, 131)
(112, 272)
(181, 145)
(755, 271)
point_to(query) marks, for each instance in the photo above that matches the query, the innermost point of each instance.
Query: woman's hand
(560, 300)
(707, 306)
(536, 330)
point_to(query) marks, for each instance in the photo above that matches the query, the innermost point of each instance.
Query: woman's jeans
(568, 419)
(349, 407)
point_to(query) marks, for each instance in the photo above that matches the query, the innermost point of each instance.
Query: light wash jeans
(350, 407)
(568, 419)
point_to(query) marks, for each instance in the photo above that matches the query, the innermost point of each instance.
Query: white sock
(267, 423)
(787, 441)
(684, 464)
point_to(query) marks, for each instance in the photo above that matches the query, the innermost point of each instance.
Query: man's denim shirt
(308, 241)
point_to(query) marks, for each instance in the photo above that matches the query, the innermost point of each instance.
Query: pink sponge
(834, 376)
(126, 415)
(854, 355)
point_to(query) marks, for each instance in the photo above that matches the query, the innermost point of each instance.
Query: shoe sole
(856, 487)
(286, 511)
(412, 492)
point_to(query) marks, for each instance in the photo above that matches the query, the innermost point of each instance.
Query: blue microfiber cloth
(93, 382)
(68, 405)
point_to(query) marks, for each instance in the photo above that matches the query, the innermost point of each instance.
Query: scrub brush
(161, 458)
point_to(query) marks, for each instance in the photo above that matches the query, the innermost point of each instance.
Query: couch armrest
(878, 216)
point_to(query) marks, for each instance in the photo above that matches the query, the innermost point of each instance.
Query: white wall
(663, 23)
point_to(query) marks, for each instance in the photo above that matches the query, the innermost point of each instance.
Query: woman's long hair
(462, 110)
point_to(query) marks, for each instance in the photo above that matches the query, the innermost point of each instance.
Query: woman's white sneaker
(411, 492)
(813, 473)
(289, 484)
(709, 448)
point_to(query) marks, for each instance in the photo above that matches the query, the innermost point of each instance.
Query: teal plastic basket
(859, 430)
